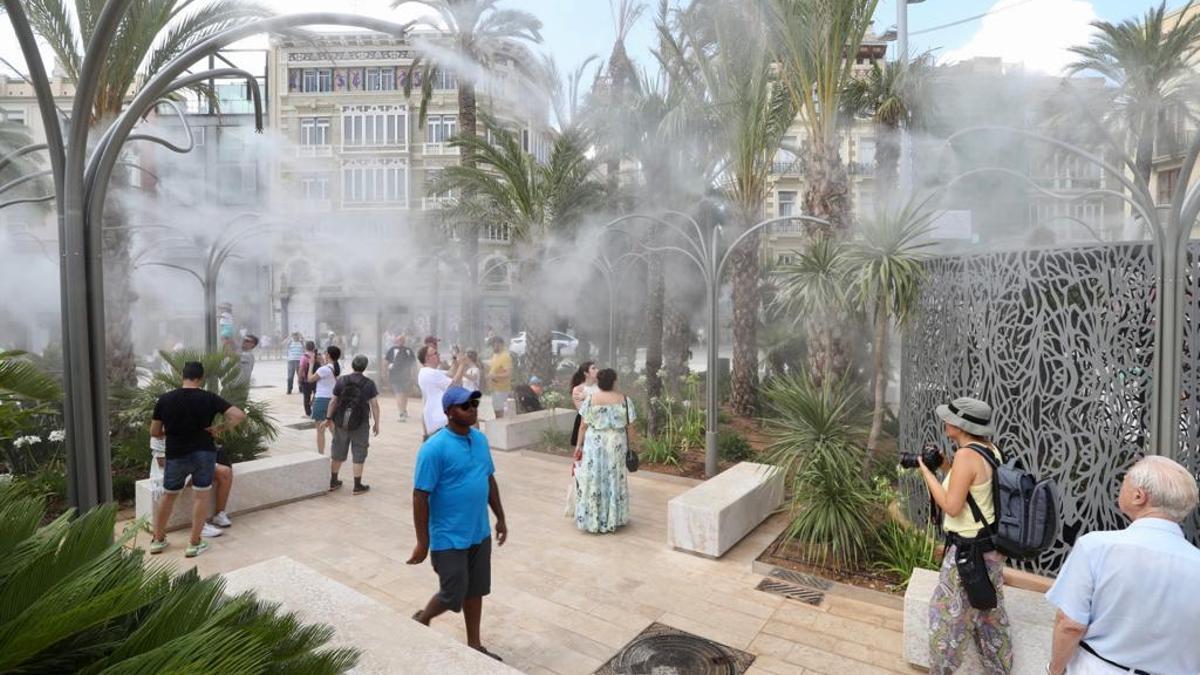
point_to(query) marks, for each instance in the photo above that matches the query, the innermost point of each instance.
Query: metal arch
(758, 226)
(28, 200)
(21, 152)
(16, 182)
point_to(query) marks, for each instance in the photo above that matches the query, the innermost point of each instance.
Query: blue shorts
(201, 465)
(320, 407)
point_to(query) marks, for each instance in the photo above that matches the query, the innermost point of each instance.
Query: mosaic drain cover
(663, 650)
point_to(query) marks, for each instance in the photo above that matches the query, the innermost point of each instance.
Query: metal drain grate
(663, 650)
(801, 579)
(802, 593)
(302, 425)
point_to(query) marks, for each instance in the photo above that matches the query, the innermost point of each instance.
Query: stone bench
(1031, 623)
(713, 516)
(389, 642)
(257, 484)
(522, 431)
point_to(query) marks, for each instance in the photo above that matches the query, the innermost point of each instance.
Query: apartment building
(359, 165)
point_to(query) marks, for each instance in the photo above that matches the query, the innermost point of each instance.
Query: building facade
(359, 165)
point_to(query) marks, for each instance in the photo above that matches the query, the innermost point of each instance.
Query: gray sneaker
(158, 546)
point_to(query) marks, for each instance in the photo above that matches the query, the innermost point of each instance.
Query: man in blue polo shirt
(452, 489)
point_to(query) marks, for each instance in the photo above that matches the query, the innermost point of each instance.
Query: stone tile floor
(562, 601)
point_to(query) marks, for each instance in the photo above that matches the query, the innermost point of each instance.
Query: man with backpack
(353, 406)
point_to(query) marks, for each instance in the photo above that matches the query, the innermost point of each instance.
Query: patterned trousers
(953, 621)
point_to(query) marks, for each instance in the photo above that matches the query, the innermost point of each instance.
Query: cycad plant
(817, 431)
(886, 272)
(814, 289)
(221, 371)
(76, 601)
(29, 415)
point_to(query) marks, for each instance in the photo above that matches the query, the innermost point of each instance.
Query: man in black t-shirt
(185, 418)
(401, 364)
(354, 404)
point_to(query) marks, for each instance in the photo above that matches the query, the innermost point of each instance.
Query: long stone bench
(522, 431)
(713, 516)
(257, 484)
(1031, 622)
(389, 642)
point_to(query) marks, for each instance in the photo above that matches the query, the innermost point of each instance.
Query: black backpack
(352, 409)
(1026, 508)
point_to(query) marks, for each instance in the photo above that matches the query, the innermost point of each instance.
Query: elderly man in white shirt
(1129, 600)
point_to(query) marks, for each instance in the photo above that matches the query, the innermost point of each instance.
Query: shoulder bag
(631, 457)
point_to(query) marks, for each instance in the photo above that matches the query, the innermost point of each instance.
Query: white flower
(687, 403)
(6, 478)
(58, 436)
(26, 440)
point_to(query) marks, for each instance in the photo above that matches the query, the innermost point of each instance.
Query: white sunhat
(969, 414)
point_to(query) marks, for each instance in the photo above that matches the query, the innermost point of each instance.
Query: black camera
(931, 454)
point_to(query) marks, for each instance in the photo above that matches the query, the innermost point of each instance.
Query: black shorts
(223, 459)
(463, 573)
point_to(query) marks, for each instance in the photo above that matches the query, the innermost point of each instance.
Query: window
(525, 140)
(375, 184)
(315, 187)
(786, 259)
(866, 152)
(13, 116)
(787, 203)
(1168, 182)
(373, 126)
(440, 128)
(314, 131)
(317, 80)
(445, 80)
(381, 79)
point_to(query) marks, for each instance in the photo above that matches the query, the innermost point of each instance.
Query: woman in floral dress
(602, 482)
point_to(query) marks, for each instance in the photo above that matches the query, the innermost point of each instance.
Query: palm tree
(1150, 61)
(150, 34)
(887, 271)
(816, 42)
(892, 96)
(478, 31)
(814, 289)
(732, 78)
(535, 202)
(21, 377)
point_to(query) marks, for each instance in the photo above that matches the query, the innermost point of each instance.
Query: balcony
(307, 151)
(864, 169)
(786, 168)
(1173, 144)
(497, 234)
(373, 149)
(441, 150)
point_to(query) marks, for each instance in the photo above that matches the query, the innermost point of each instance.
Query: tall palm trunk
(655, 309)
(746, 298)
(677, 333)
(827, 196)
(1144, 154)
(881, 379)
(887, 162)
(119, 297)
(469, 311)
(539, 357)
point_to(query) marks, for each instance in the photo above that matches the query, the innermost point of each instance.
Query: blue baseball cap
(457, 396)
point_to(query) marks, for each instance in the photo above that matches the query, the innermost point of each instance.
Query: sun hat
(969, 414)
(457, 396)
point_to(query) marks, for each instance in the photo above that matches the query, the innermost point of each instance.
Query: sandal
(485, 652)
(417, 616)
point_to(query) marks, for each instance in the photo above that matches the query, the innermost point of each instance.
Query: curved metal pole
(21, 152)
(699, 246)
(755, 228)
(28, 200)
(24, 179)
(173, 266)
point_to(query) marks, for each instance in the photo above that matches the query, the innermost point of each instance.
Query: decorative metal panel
(1059, 342)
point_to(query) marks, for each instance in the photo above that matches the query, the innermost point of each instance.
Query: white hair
(1168, 484)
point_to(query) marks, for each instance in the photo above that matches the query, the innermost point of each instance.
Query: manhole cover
(662, 650)
(302, 425)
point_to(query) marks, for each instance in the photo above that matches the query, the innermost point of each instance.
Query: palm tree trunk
(1144, 159)
(655, 301)
(887, 163)
(676, 340)
(881, 380)
(119, 295)
(538, 347)
(827, 196)
(746, 300)
(469, 311)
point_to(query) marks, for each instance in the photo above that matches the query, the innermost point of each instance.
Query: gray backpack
(1026, 508)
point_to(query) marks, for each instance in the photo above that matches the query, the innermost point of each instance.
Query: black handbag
(631, 457)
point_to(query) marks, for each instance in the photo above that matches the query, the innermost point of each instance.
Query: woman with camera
(968, 603)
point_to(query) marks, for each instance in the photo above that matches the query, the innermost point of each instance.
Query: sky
(1034, 32)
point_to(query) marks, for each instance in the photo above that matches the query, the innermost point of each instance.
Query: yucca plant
(74, 600)
(817, 432)
(901, 548)
(246, 441)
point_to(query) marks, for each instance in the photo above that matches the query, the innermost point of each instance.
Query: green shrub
(817, 440)
(732, 447)
(902, 548)
(659, 451)
(76, 601)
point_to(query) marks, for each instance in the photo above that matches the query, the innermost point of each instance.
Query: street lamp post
(81, 181)
(704, 250)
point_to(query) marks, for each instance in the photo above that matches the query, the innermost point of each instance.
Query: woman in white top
(324, 378)
(583, 384)
(473, 373)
